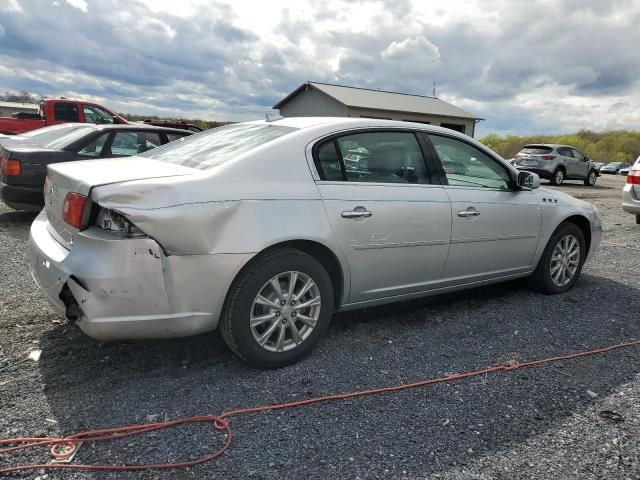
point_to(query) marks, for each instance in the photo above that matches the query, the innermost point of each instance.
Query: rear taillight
(633, 177)
(73, 209)
(548, 157)
(9, 168)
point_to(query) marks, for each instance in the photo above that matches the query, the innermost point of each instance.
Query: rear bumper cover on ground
(127, 288)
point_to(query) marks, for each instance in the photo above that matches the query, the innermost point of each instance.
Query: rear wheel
(558, 177)
(561, 262)
(591, 178)
(277, 309)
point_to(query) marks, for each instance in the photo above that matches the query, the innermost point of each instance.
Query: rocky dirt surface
(546, 422)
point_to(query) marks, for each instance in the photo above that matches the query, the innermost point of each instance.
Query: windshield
(213, 147)
(65, 139)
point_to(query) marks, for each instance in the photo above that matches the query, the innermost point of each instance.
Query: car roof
(550, 145)
(134, 126)
(339, 123)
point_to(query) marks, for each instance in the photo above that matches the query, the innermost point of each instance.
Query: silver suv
(557, 163)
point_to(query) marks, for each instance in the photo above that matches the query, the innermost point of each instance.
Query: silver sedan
(264, 229)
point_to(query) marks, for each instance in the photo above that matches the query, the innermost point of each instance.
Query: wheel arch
(584, 225)
(322, 253)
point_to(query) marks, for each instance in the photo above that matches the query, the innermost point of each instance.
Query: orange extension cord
(221, 423)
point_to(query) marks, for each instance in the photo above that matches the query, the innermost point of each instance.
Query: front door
(581, 167)
(495, 229)
(393, 225)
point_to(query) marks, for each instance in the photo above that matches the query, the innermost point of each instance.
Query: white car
(631, 191)
(260, 229)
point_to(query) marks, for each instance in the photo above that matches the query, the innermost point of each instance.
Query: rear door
(392, 223)
(569, 161)
(495, 229)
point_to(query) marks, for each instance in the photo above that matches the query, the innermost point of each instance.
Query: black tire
(541, 280)
(590, 181)
(638, 219)
(557, 177)
(234, 322)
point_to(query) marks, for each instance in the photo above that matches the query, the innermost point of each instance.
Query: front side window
(373, 157)
(577, 154)
(93, 114)
(466, 166)
(218, 145)
(65, 112)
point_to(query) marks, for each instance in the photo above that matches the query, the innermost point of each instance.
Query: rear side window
(372, 157)
(127, 143)
(93, 149)
(536, 150)
(218, 145)
(66, 112)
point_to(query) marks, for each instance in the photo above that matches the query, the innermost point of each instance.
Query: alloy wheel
(565, 260)
(559, 177)
(285, 311)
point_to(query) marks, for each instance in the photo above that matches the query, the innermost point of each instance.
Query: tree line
(612, 146)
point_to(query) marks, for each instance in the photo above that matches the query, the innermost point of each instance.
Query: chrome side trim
(372, 246)
(491, 239)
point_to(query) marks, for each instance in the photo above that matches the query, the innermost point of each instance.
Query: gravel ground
(534, 423)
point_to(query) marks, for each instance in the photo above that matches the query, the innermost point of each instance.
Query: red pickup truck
(54, 111)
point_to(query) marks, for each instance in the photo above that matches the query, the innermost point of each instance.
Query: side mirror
(528, 180)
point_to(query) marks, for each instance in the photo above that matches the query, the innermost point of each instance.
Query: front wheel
(277, 309)
(558, 177)
(590, 181)
(561, 262)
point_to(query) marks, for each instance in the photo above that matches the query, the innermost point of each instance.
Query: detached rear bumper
(22, 198)
(127, 288)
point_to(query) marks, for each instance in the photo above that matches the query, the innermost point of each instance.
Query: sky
(526, 67)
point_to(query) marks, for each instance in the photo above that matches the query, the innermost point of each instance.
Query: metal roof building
(8, 108)
(312, 99)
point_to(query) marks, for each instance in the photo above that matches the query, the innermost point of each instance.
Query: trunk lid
(81, 176)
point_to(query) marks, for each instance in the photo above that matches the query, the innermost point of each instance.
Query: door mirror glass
(528, 180)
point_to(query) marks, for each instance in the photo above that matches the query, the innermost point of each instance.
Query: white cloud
(407, 49)
(11, 6)
(79, 4)
(526, 67)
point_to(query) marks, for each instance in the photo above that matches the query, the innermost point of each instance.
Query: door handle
(470, 212)
(358, 212)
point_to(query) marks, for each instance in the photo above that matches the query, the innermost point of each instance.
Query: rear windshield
(213, 147)
(536, 150)
(47, 134)
(65, 139)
